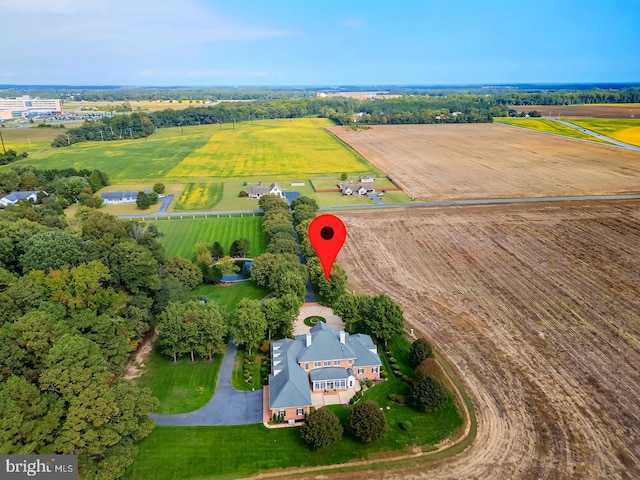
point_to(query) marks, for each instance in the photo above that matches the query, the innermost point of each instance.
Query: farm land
(609, 110)
(547, 126)
(537, 307)
(435, 162)
(627, 131)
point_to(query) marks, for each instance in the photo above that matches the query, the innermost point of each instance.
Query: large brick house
(321, 362)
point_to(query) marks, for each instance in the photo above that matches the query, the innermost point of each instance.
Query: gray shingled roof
(15, 196)
(121, 195)
(325, 345)
(365, 350)
(329, 373)
(290, 386)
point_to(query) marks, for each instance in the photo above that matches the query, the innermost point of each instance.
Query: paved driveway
(227, 407)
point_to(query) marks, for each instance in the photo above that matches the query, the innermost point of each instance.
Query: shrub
(420, 349)
(367, 422)
(405, 379)
(243, 194)
(406, 425)
(265, 346)
(392, 397)
(429, 367)
(370, 383)
(321, 428)
(400, 400)
(429, 395)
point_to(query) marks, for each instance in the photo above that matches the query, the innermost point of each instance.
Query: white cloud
(125, 22)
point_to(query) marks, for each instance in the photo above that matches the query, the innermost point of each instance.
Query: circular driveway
(315, 309)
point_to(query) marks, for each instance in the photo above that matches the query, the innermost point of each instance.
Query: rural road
(437, 203)
(597, 135)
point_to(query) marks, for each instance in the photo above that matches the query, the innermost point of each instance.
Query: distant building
(115, 198)
(349, 188)
(368, 179)
(15, 197)
(26, 106)
(260, 190)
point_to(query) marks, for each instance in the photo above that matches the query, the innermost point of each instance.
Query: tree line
(118, 127)
(63, 187)
(77, 296)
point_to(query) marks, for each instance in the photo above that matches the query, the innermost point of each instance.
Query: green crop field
(181, 235)
(200, 196)
(276, 148)
(627, 130)
(547, 126)
(285, 148)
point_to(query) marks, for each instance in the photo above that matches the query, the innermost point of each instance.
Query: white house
(348, 188)
(15, 197)
(115, 198)
(369, 179)
(260, 190)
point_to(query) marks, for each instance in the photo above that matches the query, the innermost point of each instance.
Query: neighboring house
(120, 197)
(367, 179)
(323, 361)
(15, 197)
(348, 188)
(260, 190)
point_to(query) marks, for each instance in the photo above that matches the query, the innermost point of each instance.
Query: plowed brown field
(434, 162)
(538, 309)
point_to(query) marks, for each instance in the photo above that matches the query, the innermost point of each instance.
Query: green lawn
(228, 296)
(547, 126)
(126, 161)
(624, 130)
(233, 452)
(180, 387)
(181, 235)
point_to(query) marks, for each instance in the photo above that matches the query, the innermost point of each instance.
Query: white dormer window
(336, 363)
(327, 363)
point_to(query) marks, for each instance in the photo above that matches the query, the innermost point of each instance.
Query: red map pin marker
(327, 234)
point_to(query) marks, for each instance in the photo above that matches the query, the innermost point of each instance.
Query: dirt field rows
(538, 309)
(586, 111)
(435, 162)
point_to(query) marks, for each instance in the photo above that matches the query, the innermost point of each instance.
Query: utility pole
(101, 135)
(131, 132)
(234, 122)
(2, 140)
(68, 140)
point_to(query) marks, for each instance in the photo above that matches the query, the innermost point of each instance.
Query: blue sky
(282, 42)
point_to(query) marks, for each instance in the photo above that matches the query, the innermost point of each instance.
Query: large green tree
(240, 248)
(50, 250)
(367, 422)
(420, 349)
(385, 319)
(184, 272)
(429, 395)
(249, 325)
(321, 428)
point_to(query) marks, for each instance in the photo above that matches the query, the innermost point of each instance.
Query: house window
(351, 361)
(336, 363)
(306, 366)
(327, 363)
(317, 364)
(300, 411)
(374, 370)
(282, 413)
(360, 371)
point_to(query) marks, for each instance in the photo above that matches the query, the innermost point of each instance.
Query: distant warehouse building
(25, 106)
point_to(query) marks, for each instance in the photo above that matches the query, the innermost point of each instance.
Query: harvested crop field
(434, 162)
(620, 110)
(538, 310)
